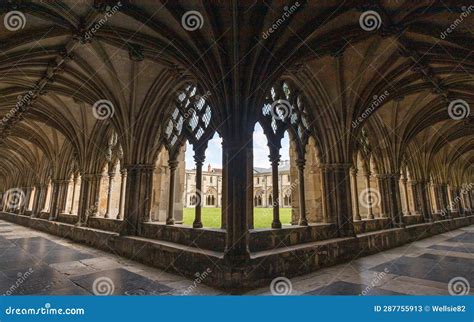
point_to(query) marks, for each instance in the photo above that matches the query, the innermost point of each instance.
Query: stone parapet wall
(263, 265)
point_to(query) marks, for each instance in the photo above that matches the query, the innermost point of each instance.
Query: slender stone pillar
(137, 198)
(58, 191)
(94, 194)
(324, 204)
(438, 204)
(82, 211)
(303, 221)
(416, 197)
(275, 161)
(62, 201)
(123, 182)
(41, 199)
(355, 194)
(111, 175)
(367, 186)
(446, 211)
(74, 185)
(199, 160)
(383, 184)
(238, 183)
(2, 201)
(405, 194)
(224, 189)
(424, 191)
(24, 206)
(173, 165)
(36, 198)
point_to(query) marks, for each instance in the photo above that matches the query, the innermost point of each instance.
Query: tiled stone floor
(32, 262)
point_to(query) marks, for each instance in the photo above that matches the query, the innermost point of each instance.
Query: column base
(276, 224)
(197, 224)
(303, 222)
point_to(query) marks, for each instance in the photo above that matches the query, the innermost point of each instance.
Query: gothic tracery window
(190, 120)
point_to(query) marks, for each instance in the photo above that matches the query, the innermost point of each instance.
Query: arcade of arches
(99, 100)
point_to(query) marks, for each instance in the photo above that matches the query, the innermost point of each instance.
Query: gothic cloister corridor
(227, 147)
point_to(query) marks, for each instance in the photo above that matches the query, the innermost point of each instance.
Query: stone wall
(264, 264)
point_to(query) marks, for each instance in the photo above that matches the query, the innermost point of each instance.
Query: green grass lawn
(211, 217)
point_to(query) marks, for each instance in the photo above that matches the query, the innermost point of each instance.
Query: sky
(260, 151)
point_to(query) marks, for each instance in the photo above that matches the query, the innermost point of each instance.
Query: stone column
(199, 157)
(224, 189)
(416, 197)
(382, 180)
(57, 191)
(337, 194)
(62, 203)
(275, 160)
(89, 196)
(238, 183)
(138, 194)
(41, 199)
(424, 191)
(123, 182)
(82, 211)
(217, 189)
(111, 175)
(445, 200)
(74, 185)
(34, 208)
(355, 194)
(25, 204)
(303, 221)
(94, 194)
(437, 200)
(324, 205)
(173, 164)
(405, 194)
(394, 200)
(367, 186)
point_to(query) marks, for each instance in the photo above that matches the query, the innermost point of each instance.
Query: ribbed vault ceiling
(142, 55)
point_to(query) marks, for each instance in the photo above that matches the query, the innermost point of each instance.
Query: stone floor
(33, 262)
